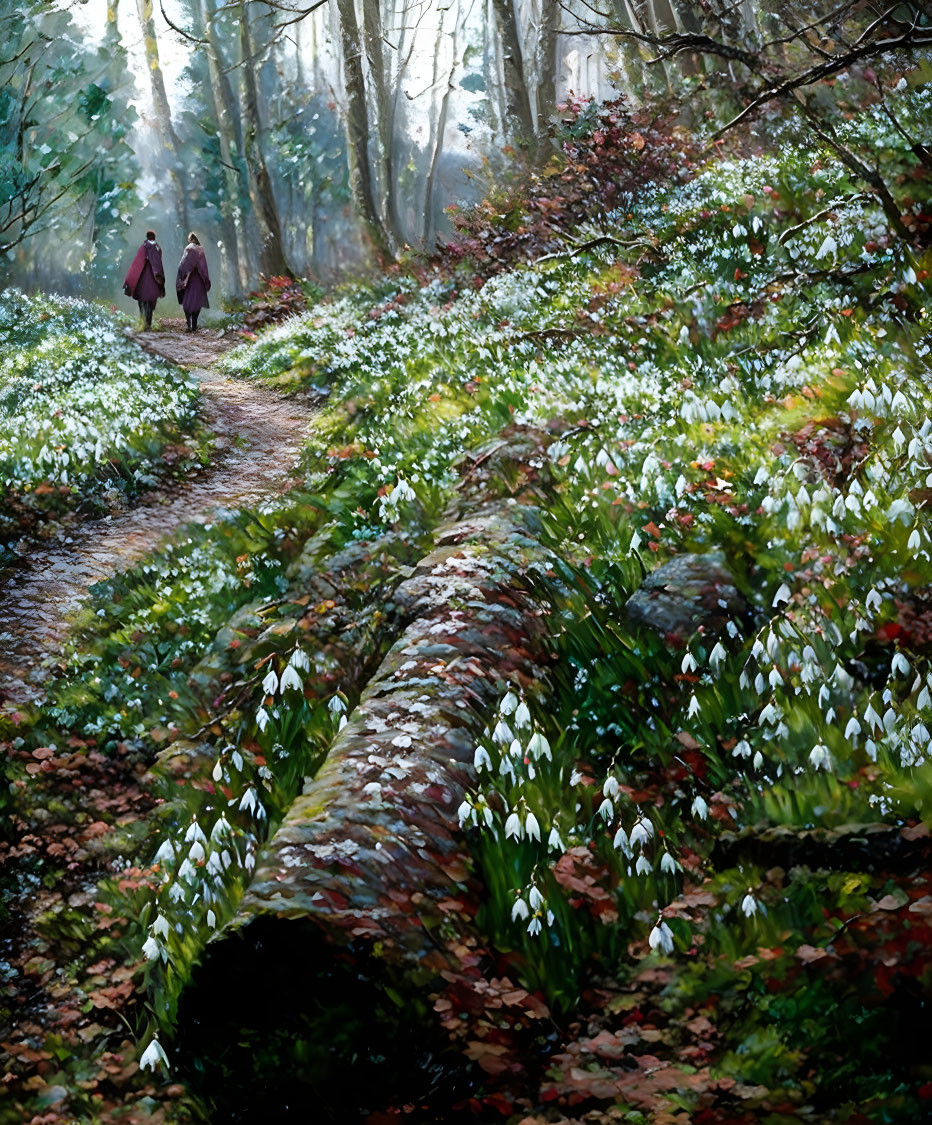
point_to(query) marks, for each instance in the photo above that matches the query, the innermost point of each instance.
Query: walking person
(145, 279)
(193, 281)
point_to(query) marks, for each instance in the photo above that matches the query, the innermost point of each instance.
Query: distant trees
(66, 170)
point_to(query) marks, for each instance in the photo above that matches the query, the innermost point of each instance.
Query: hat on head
(150, 234)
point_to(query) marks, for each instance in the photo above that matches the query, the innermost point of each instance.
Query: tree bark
(357, 128)
(547, 68)
(225, 116)
(518, 102)
(161, 109)
(272, 260)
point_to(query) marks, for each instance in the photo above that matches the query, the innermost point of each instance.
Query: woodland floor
(258, 434)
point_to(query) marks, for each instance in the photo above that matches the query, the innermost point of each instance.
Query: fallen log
(365, 894)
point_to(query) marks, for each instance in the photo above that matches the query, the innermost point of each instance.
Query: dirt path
(258, 436)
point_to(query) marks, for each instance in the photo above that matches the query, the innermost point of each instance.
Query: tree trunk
(272, 259)
(162, 111)
(357, 128)
(518, 102)
(547, 69)
(224, 112)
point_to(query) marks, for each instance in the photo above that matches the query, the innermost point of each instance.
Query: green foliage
(85, 417)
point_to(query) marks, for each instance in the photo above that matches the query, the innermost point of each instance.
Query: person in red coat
(145, 280)
(193, 281)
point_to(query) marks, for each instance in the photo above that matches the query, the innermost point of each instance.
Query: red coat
(145, 279)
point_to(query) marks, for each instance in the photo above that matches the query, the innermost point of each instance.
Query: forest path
(258, 437)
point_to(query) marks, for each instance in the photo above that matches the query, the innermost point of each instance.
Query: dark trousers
(192, 320)
(146, 309)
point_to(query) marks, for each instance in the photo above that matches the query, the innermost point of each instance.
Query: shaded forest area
(549, 743)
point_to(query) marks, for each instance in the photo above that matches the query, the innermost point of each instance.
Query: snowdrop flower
(914, 542)
(217, 772)
(539, 747)
(270, 683)
(534, 926)
(197, 852)
(522, 716)
(641, 832)
(503, 734)
(151, 948)
(610, 787)
(513, 827)
(782, 595)
(401, 491)
(661, 937)
(829, 246)
(900, 664)
(819, 757)
(249, 802)
(335, 705)
(742, 750)
(642, 867)
(160, 925)
(668, 863)
(516, 750)
(535, 898)
(153, 1056)
(554, 841)
(607, 811)
(166, 851)
(699, 807)
(689, 663)
(291, 679)
(758, 760)
(716, 656)
(853, 728)
(195, 832)
(299, 659)
(211, 919)
(481, 759)
(621, 840)
(464, 812)
(532, 827)
(520, 910)
(694, 707)
(509, 704)
(749, 904)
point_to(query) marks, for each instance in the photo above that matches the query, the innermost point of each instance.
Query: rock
(686, 594)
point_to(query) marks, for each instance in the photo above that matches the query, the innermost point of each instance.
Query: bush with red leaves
(278, 298)
(606, 154)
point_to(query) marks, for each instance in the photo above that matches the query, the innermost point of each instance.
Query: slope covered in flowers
(701, 851)
(85, 415)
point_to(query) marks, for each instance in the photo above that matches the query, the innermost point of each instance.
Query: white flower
(742, 749)
(621, 840)
(554, 841)
(607, 811)
(151, 948)
(464, 812)
(689, 663)
(782, 595)
(516, 750)
(853, 728)
(291, 679)
(299, 659)
(900, 664)
(197, 852)
(335, 705)
(914, 542)
(249, 802)
(819, 757)
(661, 937)
(693, 708)
(211, 919)
(668, 863)
(509, 704)
(519, 910)
(641, 832)
(481, 759)
(166, 851)
(522, 716)
(217, 771)
(270, 683)
(539, 747)
(610, 787)
(749, 905)
(513, 827)
(160, 925)
(699, 807)
(535, 898)
(534, 926)
(195, 832)
(152, 1056)
(758, 760)
(717, 655)
(829, 246)
(532, 827)
(642, 867)
(503, 734)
